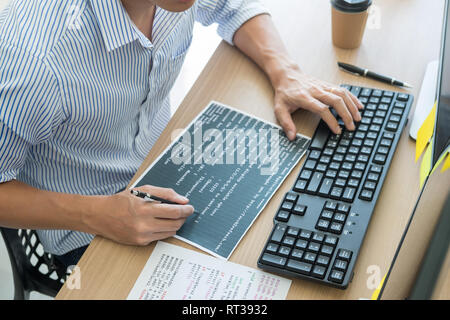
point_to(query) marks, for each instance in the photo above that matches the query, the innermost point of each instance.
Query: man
(84, 90)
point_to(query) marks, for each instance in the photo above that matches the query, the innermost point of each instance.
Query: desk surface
(400, 41)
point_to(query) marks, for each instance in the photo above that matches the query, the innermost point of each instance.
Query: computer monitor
(442, 128)
(424, 244)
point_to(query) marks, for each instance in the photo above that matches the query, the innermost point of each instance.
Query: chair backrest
(33, 269)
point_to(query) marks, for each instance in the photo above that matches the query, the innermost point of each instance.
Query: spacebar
(320, 137)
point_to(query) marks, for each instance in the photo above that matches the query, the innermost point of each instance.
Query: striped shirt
(84, 94)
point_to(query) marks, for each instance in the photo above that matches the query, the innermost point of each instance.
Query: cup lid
(351, 5)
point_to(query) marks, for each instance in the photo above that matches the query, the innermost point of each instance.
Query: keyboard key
(392, 126)
(326, 250)
(310, 164)
(272, 248)
(323, 260)
(283, 216)
(306, 174)
(336, 276)
(342, 150)
(340, 183)
(372, 135)
(289, 241)
(397, 111)
(338, 157)
(353, 183)
(331, 174)
(299, 209)
(318, 272)
(376, 169)
(318, 237)
(299, 266)
(339, 217)
(336, 227)
(322, 225)
(383, 150)
(388, 94)
(331, 240)
(340, 265)
(309, 257)
(287, 206)
(325, 187)
(273, 260)
(291, 196)
(363, 158)
(343, 208)
(380, 114)
(301, 244)
(314, 155)
(300, 185)
(377, 93)
(375, 128)
(403, 97)
(349, 194)
(365, 92)
(335, 165)
(336, 192)
(297, 254)
(305, 234)
(343, 174)
(366, 195)
(330, 205)
(357, 174)
(394, 118)
(314, 183)
(344, 254)
(325, 159)
(389, 135)
(320, 137)
(328, 152)
(292, 231)
(370, 185)
(278, 233)
(360, 166)
(373, 176)
(314, 247)
(366, 151)
(284, 251)
(327, 214)
(379, 158)
(321, 167)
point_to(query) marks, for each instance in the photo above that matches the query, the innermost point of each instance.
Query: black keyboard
(320, 224)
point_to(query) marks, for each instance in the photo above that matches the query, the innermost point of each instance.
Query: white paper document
(176, 273)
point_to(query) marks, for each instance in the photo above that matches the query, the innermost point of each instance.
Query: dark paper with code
(228, 164)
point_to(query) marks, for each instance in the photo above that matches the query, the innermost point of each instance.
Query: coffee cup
(348, 22)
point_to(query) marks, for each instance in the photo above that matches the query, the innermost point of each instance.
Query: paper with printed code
(176, 273)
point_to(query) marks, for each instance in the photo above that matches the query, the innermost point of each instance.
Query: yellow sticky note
(438, 163)
(425, 166)
(425, 132)
(376, 293)
(446, 163)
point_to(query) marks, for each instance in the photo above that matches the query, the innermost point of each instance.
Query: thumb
(285, 119)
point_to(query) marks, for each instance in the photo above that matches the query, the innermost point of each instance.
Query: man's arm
(259, 40)
(122, 217)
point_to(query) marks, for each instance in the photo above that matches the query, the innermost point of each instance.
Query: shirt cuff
(228, 29)
(7, 176)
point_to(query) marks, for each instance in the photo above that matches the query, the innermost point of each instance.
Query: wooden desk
(408, 38)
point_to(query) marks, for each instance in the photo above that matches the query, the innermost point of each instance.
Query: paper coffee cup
(348, 22)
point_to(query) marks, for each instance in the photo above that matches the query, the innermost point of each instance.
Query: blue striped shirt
(84, 94)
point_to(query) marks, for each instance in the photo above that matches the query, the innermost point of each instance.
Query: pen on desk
(370, 74)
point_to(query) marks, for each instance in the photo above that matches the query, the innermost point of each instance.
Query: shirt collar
(115, 25)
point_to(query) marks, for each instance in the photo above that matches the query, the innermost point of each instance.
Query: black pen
(369, 74)
(149, 197)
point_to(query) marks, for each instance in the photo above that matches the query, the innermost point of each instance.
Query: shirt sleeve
(30, 107)
(229, 14)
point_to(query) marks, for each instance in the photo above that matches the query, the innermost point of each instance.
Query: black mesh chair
(33, 269)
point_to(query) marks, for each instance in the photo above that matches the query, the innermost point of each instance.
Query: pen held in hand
(151, 198)
(370, 74)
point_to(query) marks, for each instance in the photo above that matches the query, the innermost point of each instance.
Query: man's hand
(128, 219)
(259, 40)
(296, 90)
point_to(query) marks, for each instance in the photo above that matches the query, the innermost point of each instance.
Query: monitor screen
(442, 129)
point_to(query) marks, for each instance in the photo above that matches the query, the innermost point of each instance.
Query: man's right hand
(128, 219)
